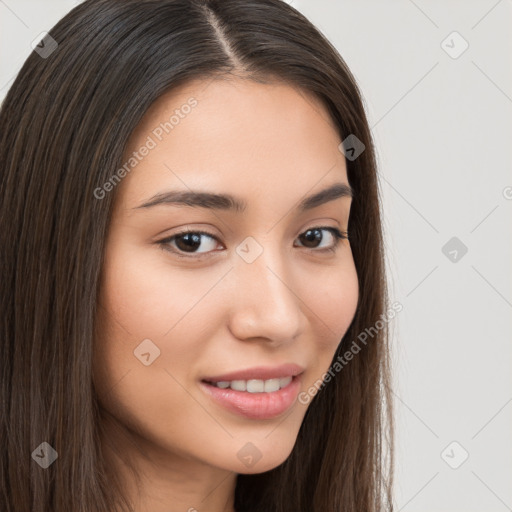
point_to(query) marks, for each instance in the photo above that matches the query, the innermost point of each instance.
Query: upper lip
(259, 373)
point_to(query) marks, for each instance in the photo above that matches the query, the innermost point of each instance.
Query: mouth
(255, 398)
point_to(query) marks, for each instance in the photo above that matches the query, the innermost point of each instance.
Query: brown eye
(311, 237)
(314, 236)
(189, 242)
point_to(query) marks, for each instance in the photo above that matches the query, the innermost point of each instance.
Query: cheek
(340, 300)
(143, 299)
(145, 305)
(333, 303)
(146, 296)
(139, 294)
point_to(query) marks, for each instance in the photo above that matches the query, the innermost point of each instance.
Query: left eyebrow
(228, 202)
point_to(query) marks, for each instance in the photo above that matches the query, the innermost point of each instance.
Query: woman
(191, 253)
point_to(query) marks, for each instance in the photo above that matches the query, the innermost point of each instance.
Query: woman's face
(261, 292)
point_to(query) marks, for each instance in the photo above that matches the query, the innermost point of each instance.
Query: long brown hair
(64, 125)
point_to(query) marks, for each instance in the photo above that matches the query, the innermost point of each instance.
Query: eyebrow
(229, 202)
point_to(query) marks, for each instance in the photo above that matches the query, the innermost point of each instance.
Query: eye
(186, 243)
(314, 235)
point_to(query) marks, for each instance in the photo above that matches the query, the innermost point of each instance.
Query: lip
(259, 373)
(255, 405)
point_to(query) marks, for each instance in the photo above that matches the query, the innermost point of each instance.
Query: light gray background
(443, 130)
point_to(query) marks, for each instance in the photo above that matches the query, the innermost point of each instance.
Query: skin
(270, 145)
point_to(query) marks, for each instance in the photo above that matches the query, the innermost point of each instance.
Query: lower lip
(257, 406)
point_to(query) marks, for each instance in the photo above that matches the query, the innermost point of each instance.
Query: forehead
(234, 134)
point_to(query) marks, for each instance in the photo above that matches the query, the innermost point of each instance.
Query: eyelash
(164, 244)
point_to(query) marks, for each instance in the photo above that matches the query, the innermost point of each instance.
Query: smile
(254, 385)
(254, 398)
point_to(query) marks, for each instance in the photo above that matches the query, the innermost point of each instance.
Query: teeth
(284, 381)
(271, 385)
(255, 385)
(239, 385)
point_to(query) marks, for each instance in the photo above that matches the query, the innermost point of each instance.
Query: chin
(262, 454)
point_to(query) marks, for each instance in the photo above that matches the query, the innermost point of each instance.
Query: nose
(264, 301)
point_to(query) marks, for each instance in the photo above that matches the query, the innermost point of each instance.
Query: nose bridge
(266, 304)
